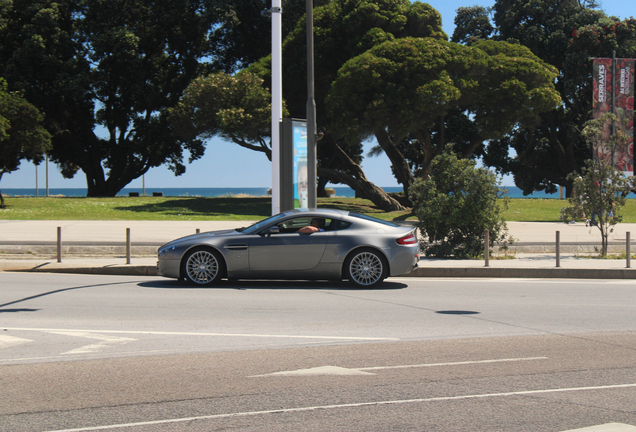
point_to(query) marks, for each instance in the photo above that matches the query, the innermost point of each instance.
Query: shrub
(455, 206)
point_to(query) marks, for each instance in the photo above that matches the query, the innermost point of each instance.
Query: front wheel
(203, 267)
(366, 268)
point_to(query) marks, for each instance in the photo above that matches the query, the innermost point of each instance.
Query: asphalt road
(148, 354)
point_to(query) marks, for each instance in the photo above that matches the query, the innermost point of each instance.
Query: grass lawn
(235, 208)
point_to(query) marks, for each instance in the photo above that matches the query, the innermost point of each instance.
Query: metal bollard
(558, 248)
(59, 244)
(128, 246)
(628, 249)
(487, 249)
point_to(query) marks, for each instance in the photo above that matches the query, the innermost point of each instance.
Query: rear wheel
(366, 268)
(203, 267)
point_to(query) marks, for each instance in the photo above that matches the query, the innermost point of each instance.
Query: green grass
(235, 208)
(548, 210)
(534, 210)
(135, 208)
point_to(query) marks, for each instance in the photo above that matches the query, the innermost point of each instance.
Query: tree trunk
(429, 151)
(357, 180)
(107, 187)
(364, 188)
(604, 228)
(320, 187)
(401, 167)
(1, 200)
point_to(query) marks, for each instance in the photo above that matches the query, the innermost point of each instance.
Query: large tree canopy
(396, 50)
(104, 73)
(234, 107)
(353, 26)
(394, 78)
(420, 87)
(565, 34)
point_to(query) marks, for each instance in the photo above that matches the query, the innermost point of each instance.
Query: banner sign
(615, 94)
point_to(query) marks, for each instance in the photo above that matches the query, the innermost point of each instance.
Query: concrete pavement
(99, 247)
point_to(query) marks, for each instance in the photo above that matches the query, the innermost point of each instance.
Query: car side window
(293, 225)
(290, 226)
(336, 225)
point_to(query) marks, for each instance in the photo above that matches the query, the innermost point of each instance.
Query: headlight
(165, 249)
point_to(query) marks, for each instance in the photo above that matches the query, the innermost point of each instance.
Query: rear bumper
(405, 260)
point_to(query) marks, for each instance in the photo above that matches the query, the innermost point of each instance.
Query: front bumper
(168, 268)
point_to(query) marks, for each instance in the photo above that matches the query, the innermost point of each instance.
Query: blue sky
(227, 165)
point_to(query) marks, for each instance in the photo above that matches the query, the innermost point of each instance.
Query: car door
(287, 250)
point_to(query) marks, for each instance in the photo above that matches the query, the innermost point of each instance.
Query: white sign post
(277, 100)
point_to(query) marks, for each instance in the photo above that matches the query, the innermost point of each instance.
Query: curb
(113, 270)
(429, 272)
(523, 273)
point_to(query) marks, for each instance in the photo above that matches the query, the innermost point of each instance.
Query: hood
(204, 235)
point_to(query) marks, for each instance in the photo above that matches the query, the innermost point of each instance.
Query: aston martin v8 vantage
(308, 244)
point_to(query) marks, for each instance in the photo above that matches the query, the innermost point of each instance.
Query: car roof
(343, 214)
(317, 212)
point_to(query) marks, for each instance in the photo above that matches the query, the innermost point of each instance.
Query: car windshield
(370, 218)
(259, 225)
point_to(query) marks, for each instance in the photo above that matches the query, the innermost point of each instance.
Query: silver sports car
(316, 244)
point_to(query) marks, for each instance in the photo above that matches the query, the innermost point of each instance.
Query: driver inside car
(316, 225)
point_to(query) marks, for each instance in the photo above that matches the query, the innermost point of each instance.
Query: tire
(202, 266)
(366, 268)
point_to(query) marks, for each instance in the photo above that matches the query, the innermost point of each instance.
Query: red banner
(618, 89)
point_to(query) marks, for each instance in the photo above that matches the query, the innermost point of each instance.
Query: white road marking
(351, 405)
(163, 333)
(336, 370)
(107, 341)
(9, 341)
(608, 427)
(453, 363)
(321, 370)
(114, 355)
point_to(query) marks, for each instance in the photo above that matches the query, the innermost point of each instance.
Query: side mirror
(273, 230)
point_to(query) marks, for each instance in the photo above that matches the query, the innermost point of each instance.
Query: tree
(235, 107)
(564, 34)
(599, 193)
(104, 73)
(456, 204)
(242, 35)
(412, 94)
(353, 26)
(22, 135)
(397, 80)
(472, 24)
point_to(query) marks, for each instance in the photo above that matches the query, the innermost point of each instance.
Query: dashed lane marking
(351, 405)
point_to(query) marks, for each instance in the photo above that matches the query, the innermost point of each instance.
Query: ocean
(341, 191)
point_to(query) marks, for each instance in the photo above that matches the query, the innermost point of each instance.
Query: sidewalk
(98, 247)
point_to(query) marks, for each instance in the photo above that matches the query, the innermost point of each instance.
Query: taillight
(407, 240)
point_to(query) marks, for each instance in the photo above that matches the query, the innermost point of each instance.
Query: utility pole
(311, 108)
